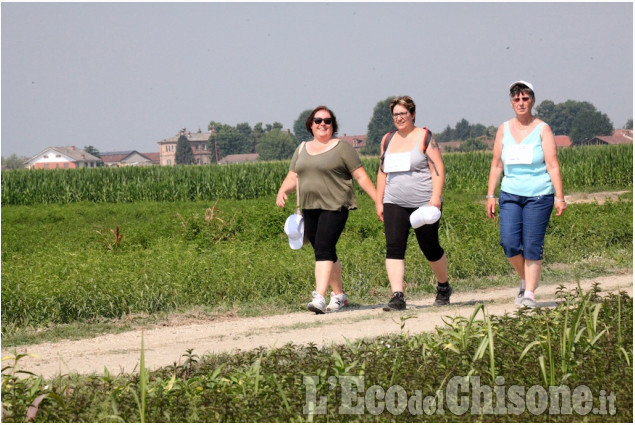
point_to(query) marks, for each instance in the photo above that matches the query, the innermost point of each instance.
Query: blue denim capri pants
(523, 224)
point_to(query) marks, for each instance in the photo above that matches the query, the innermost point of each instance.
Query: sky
(123, 76)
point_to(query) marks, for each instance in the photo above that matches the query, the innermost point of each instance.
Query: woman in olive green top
(325, 168)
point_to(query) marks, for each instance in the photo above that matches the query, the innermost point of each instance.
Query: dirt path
(166, 345)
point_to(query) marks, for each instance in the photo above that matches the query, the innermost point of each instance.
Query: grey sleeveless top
(413, 188)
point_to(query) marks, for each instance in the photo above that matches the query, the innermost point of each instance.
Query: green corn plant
(619, 329)
(143, 385)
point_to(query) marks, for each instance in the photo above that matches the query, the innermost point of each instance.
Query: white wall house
(63, 157)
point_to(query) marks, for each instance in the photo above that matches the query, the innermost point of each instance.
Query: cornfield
(589, 167)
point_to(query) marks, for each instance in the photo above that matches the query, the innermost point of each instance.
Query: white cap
(294, 228)
(424, 215)
(522, 82)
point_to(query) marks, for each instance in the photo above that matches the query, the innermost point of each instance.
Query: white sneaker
(337, 302)
(519, 297)
(318, 305)
(528, 302)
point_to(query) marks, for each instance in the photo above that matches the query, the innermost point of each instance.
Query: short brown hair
(406, 102)
(309, 119)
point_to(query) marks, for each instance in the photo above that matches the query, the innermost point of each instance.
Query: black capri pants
(323, 229)
(397, 227)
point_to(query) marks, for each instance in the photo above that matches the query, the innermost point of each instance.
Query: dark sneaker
(397, 302)
(443, 295)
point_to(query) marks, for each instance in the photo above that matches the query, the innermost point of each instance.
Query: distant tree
(629, 124)
(92, 150)
(490, 131)
(277, 125)
(472, 144)
(462, 130)
(588, 124)
(184, 154)
(256, 134)
(446, 135)
(229, 140)
(546, 111)
(563, 119)
(299, 130)
(13, 162)
(245, 130)
(380, 124)
(477, 130)
(276, 144)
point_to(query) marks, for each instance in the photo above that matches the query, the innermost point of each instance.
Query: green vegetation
(83, 249)
(583, 344)
(69, 263)
(588, 168)
(84, 262)
(184, 154)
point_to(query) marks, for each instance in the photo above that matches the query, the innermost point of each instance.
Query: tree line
(578, 120)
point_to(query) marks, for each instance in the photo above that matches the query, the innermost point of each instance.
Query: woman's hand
(281, 199)
(288, 185)
(435, 202)
(379, 209)
(561, 205)
(491, 207)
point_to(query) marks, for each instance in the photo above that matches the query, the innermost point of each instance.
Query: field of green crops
(583, 168)
(86, 248)
(63, 262)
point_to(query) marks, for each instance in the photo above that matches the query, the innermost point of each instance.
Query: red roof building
(619, 137)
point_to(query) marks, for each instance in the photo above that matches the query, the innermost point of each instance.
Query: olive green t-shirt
(325, 179)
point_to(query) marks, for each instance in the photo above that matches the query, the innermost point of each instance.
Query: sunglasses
(327, 121)
(524, 99)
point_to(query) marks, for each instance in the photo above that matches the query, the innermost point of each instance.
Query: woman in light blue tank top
(525, 151)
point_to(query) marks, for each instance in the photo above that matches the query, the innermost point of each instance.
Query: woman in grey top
(411, 176)
(325, 168)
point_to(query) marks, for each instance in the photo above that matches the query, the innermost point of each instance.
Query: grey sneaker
(528, 302)
(397, 302)
(519, 297)
(318, 305)
(337, 302)
(443, 295)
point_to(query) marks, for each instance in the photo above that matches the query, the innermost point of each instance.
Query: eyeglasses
(524, 99)
(327, 121)
(399, 114)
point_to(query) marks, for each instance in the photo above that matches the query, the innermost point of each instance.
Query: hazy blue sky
(122, 76)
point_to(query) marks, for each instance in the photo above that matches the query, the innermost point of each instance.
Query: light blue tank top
(413, 188)
(525, 179)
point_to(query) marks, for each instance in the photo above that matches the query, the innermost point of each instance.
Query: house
(198, 142)
(155, 157)
(619, 137)
(125, 159)
(357, 142)
(63, 157)
(239, 158)
(562, 141)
